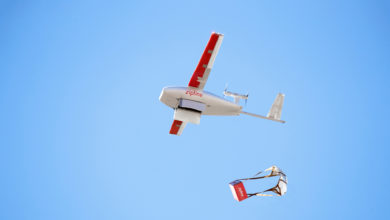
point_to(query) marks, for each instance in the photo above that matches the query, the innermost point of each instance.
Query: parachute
(239, 192)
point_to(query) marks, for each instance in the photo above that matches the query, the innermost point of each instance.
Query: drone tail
(274, 113)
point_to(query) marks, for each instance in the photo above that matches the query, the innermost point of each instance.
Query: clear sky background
(84, 136)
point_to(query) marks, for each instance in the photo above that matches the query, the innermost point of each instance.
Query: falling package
(239, 192)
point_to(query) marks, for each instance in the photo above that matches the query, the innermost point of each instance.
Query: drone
(191, 102)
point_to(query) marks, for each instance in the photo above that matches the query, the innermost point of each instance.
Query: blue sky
(84, 136)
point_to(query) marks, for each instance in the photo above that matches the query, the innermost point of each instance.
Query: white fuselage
(214, 105)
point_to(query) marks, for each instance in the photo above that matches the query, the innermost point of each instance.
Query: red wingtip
(175, 127)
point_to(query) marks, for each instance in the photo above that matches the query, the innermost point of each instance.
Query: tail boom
(263, 117)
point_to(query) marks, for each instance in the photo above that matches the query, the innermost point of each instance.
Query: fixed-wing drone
(191, 102)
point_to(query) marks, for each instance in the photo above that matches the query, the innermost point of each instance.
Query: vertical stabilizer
(276, 109)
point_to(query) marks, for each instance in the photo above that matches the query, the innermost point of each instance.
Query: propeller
(246, 100)
(224, 91)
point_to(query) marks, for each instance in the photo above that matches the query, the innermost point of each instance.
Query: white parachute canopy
(281, 187)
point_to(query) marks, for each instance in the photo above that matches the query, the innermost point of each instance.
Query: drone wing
(177, 127)
(202, 71)
(183, 116)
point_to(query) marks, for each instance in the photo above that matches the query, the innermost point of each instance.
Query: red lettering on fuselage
(194, 92)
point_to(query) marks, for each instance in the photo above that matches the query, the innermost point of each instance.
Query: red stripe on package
(238, 190)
